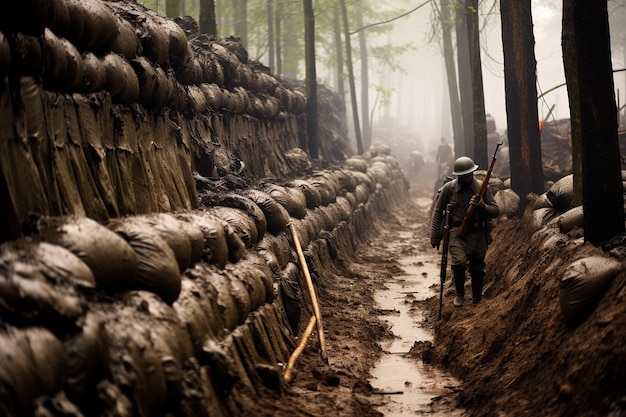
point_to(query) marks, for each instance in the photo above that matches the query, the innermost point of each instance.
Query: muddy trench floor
(352, 324)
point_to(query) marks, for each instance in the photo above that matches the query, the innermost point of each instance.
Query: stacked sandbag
(583, 284)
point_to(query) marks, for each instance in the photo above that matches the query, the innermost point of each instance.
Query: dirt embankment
(516, 352)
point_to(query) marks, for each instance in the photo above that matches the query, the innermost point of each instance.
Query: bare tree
(478, 95)
(595, 148)
(311, 78)
(208, 21)
(365, 85)
(445, 17)
(465, 84)
(520, 81)
(355, 110)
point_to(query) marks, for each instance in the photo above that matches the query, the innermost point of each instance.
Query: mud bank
(517, 352)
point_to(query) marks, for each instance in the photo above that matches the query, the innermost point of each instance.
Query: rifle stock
(444, 254)
(463, 229)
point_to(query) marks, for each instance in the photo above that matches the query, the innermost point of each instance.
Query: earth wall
(150, 181)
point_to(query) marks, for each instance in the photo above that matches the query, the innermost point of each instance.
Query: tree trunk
(270, 34)
(341, 87)
(311, 78)
(172, 8)
(355, 110)
(465, 84)
(588, 72)
(518, 44)
(207, 20)
(292, 51)
(278, 28)
(241, 20)
(365, 104)
(453, 89)
(478, 95)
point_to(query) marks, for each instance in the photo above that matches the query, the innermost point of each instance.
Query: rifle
(463, 229)
(444, 253)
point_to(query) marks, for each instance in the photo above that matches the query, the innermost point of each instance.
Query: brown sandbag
(583, 284)
(121, 81)
(215, 247)
(33, 364)
(508, 202)
(112, 260)
(292, 199)
(158, 268)
(239, 220)
(240, 201)
(168, 227)
(89, 359)
(94, 77)
(276, 215)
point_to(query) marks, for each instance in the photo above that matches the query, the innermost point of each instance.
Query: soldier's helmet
(464, 165)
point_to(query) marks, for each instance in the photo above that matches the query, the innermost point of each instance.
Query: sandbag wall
(189, 313)
(107, 108)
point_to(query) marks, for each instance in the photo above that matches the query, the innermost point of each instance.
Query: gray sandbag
(543, 216)
(570, 219)
(583, 284)
(355, 164)
(362, 178)
(561, 193)
(89, 359)
(276, 216)
(112, 260)
(33, 364)
(508, 202)
(347, 180)
(158, 268)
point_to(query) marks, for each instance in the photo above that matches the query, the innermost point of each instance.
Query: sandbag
(313, 196)
(508, 202)
(170, 229)
(561, 194)
(215, 247)
(33, 364)
(543, 216)
(158, 268)
(112, 260)
(238, 220)
(292, 199)
(570, 219)
(583, 283)
(40, 285)
(238, 201)
(89, 359)
(276, 216)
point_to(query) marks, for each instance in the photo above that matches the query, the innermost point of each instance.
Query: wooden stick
(287, 375)
(309, 283)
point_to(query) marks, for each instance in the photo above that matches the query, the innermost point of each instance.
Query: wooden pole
(287, 375)
(309, 283)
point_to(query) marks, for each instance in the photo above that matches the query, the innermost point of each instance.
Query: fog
(419, 101)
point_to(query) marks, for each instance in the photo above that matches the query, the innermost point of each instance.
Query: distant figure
(416, 162)
(444, 156)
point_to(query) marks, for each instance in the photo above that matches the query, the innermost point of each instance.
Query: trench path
(407, 386)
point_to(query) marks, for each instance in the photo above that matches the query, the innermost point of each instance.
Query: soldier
(467, 253)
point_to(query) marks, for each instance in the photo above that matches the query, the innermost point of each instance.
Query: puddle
(408, 386)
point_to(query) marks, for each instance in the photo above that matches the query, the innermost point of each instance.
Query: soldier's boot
(477, 285)
(459, 284)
